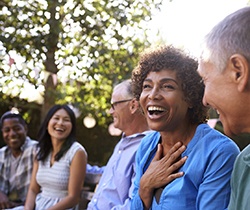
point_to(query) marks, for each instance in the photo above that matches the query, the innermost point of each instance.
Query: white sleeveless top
(54, 179)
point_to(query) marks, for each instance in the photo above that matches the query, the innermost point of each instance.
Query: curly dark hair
(185, 66)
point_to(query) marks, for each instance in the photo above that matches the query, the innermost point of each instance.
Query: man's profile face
(220, 94)
(14, 133)
(120, 110)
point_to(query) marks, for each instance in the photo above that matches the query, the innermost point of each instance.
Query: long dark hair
(44, 138)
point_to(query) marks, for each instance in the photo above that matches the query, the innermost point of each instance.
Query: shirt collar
(136, 134)
(246, 159)
(25, 144)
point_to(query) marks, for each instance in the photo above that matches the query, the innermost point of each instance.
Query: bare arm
(34, 189)
(161, 171)
(76, 179)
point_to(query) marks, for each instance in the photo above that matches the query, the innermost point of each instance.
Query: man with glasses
(116, 184)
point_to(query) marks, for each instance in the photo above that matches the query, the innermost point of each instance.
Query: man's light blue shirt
(116, 184)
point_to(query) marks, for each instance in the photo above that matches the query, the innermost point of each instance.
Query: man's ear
(240, 67)
(134, 105)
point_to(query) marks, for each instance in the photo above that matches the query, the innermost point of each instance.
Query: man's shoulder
(2, 150)
(31, 142)
(30, 145)
(244, 156)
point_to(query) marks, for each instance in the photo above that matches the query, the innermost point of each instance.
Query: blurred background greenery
(74, 52)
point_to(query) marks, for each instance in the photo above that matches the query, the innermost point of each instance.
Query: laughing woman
(184, 164)
(60, 165)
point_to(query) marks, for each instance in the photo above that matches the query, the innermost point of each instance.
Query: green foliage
(72, 51)
(88, 45)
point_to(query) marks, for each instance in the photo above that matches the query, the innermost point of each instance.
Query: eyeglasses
(113, 104)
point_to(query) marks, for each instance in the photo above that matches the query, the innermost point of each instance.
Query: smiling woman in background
(57, 177)
(184, 164)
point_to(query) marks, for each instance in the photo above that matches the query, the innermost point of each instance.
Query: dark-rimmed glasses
(113, 104)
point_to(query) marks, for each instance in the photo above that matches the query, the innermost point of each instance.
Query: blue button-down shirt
(206, 182)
